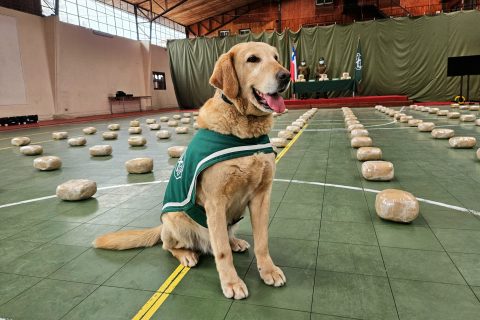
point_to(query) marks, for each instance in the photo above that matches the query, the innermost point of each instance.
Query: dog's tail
(129, 239)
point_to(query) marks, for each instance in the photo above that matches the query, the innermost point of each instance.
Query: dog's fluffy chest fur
(237, 181)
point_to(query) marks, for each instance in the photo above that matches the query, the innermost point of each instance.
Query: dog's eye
(276, 57)
(253, 59)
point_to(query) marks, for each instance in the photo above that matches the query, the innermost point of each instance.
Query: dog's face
(250, 75)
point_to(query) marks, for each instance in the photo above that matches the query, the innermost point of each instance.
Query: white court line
(381, 124)
(310, 120)
(344, 129)
(390, 128)
(102, 188)
(47, 132)
(340, 186)
(69, 124)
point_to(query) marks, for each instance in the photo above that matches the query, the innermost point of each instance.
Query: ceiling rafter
(178, 4)
(191, 11)
(158, 4)
(214, 23)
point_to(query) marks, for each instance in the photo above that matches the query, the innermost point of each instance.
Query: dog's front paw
(235, 289)
(273, 276)
(239, 245)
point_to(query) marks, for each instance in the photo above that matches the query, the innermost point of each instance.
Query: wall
(164, 98)
(69, 71)
(91, 67)
(35, 67)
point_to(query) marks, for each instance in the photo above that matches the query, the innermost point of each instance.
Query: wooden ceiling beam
(142, 10)
(189, 29)
(160, 6)
(169, 9)
(223, 19)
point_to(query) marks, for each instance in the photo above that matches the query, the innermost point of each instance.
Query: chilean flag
(293, 65)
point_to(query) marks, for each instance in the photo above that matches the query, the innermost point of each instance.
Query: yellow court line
(154, 303)
(158, 293)
(285, 150)
(165, 295)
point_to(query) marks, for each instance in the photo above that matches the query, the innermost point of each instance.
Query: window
(115, 17)
(159, 80)
(48, 7)
(244, 31)
(223, 33)
(323, 2)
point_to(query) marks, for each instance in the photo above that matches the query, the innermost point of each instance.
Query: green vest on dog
(206, 148)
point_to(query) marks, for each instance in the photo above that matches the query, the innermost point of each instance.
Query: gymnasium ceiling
(188, 12)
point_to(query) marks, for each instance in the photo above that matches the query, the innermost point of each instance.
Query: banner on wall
(358, 72)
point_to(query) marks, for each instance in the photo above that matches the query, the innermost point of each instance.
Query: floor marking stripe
(25, 201)
(340, 186)
(42, 141)
(153, 299)
(287, 147)
(102, 188)
(32, 143)
(51, 125)
(389, 128)
(165, 295)
(381, 124)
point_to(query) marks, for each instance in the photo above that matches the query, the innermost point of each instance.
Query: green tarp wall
(401, 56)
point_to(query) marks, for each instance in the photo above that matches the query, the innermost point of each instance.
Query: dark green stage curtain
(401, 56)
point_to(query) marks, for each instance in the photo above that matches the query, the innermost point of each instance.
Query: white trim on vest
(210, 157)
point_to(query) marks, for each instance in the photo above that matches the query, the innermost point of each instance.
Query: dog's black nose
(283, 77)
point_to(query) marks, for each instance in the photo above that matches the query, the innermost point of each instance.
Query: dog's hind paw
(236, 290)
(239, 245)
(188, 258)
(273, 276)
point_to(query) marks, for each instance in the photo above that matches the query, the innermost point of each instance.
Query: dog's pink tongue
(276, 103)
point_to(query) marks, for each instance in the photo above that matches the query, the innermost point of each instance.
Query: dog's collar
(224, 98)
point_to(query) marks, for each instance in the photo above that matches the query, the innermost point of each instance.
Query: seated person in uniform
(304, 70)
(303, 74)
(320, 69)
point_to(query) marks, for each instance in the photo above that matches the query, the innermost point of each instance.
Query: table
(121, 100)
(300, 88)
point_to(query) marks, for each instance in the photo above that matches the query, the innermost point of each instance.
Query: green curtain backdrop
(401, 56)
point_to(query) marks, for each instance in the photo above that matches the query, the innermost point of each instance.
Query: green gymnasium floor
(341, 261)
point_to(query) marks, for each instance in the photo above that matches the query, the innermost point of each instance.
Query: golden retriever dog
(248, 79)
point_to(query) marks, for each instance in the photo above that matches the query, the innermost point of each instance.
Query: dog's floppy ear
(224, 76)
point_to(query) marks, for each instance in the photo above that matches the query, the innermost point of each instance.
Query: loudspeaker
(463, 66)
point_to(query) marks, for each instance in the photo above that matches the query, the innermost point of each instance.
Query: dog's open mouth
(270, 102)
